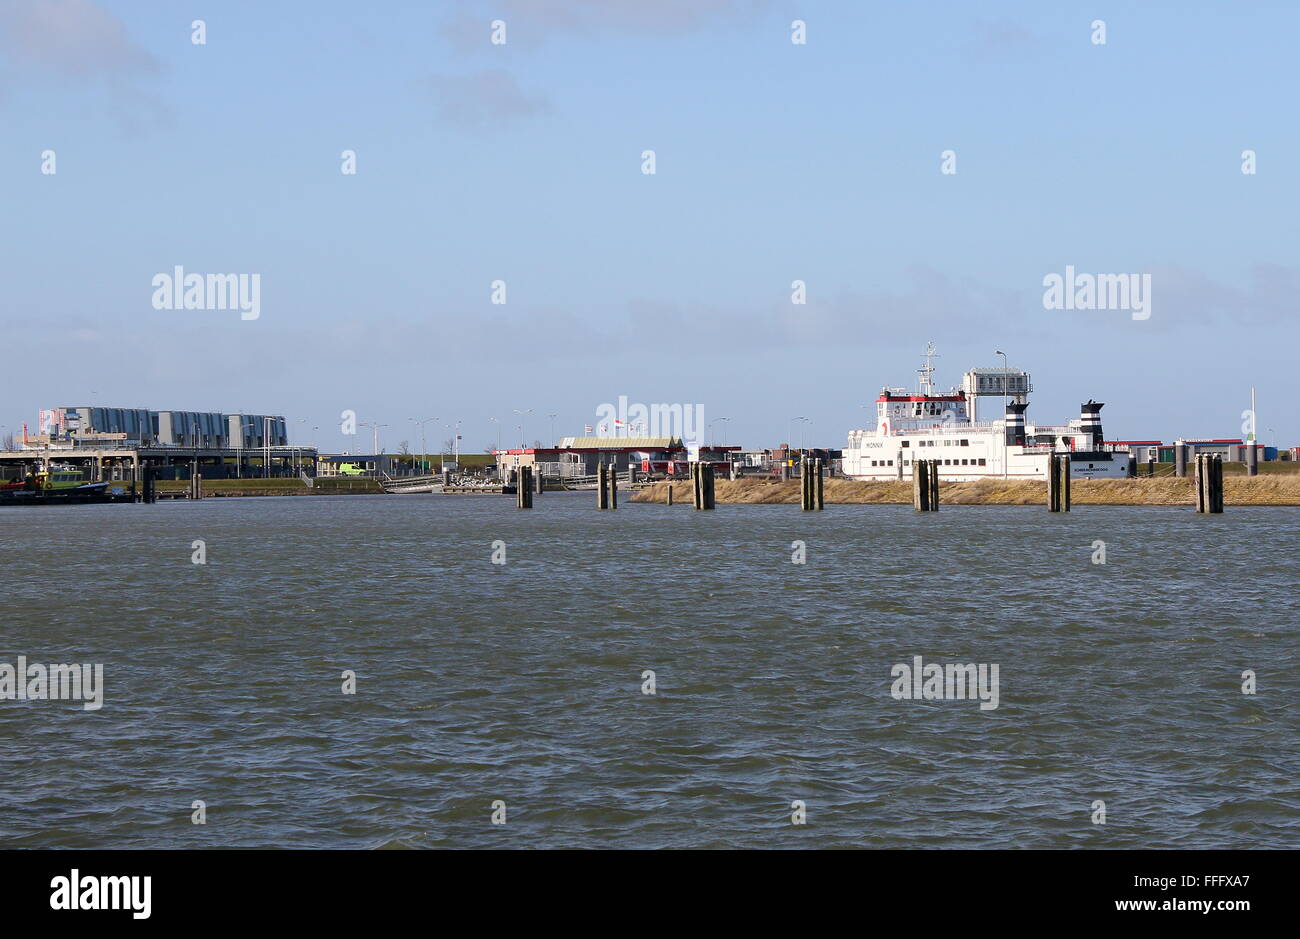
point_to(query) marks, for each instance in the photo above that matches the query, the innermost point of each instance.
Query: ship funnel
(1090, 417)
(1015, 424)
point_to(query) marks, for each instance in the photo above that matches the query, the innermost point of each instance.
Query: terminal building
(210, 429)
(115, 444)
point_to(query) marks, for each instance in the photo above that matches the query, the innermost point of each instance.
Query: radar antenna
(925, 374)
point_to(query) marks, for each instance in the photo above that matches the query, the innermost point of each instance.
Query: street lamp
(711, 423)
(803, 431)
(553, 417)
(498, 423)
(424, 447)
(523, 443)
(1005, 399)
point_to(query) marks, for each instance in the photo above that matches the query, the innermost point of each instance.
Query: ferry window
(981, 461)
(889, 462)
(905, 443)
(965, 443)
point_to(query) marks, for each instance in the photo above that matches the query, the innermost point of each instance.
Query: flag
(588, 428)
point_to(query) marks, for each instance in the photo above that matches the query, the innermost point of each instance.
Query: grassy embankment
(1265, 489)
(275, 487)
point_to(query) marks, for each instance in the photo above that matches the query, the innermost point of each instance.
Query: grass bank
(275, 487)
(1273, 489)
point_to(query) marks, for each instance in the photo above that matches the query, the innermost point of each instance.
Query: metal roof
(619, 443)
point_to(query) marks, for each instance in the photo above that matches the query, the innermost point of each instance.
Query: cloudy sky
(522, 162)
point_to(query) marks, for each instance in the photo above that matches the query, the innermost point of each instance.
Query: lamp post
(803, 431)
(1005, 399)
(715, 421)
(552, 417)
(523, 443)
(374, 427)
(424, 447)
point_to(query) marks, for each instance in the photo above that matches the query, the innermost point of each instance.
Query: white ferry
(927, 425)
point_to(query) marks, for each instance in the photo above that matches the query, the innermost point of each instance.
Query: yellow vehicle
(59, 479)
(350, 469)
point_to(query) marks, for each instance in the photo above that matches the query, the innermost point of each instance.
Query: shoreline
(1279, 490)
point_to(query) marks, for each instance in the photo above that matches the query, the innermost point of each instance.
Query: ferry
(944, 426)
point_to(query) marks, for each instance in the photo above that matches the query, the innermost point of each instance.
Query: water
(522, 682)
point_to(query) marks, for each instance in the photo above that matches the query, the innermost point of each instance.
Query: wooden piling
(1214, 490)
(668, 496)
(920, 486)
(540, 481)
(821, 485)
(524, 488)
(613, 485)
(1198, 484)
(934, 485)
(602, 486)
(706, 487)
(1058, 483)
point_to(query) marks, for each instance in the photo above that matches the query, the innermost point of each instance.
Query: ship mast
(925, 374)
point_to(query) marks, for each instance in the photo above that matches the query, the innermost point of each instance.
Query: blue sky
(522, 162)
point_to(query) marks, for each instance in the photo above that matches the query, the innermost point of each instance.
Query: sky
(522, 162)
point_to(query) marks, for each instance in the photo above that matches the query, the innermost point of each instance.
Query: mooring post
(1198, 483)
(150, 491)
(1216, 476)
(540, 481)
(524, 488)
(1053, 485)
(668, 496)
(934, 485)
(1064, 486)
(920, 486)
(706, 489)
(1252, 459)
(602, 487)
(1180, 460)
(805, 484)
(613, 485)
(821, 487)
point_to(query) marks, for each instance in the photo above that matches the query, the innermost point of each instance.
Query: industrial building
(115, 444)
(204, 429)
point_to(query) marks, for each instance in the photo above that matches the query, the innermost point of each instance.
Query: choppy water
(522, 682)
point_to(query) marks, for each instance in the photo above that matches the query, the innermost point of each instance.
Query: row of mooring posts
(702, 484)
(1058, 483)
(925, 485)
(1209, 483)
(812, 489)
